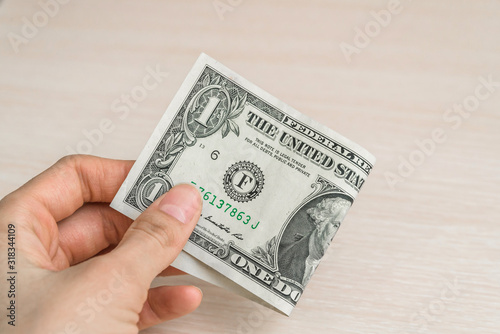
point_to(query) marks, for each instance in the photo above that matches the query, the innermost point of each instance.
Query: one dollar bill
(275, 184)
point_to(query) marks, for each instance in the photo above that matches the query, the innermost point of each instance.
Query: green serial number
(226, 207)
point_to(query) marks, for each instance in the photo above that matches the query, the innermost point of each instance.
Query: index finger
(73, 181)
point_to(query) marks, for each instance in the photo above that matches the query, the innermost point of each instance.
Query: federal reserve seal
(243, 181)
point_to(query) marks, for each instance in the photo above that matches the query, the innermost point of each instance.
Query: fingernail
(181, 202)
(201, 291)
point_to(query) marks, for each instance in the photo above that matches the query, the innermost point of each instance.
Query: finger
(92, 228)
(72, 181)
(158, 235)
(168, 302)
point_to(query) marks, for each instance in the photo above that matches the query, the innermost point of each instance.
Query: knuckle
(71, 163)
(66, 165)
(69, 160)
(72, 167)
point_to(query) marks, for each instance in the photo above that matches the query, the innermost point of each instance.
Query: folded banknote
(275, 184)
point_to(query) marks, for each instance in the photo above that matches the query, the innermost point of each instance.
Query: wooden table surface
(417, 84)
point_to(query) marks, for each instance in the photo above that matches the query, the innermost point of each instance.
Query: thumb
(157, 236)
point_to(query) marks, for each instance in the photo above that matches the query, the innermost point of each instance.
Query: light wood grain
(421, 258)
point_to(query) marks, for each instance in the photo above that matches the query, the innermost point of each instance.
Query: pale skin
(84, 267)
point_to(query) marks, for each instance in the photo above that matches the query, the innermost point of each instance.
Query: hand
(84, 267)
